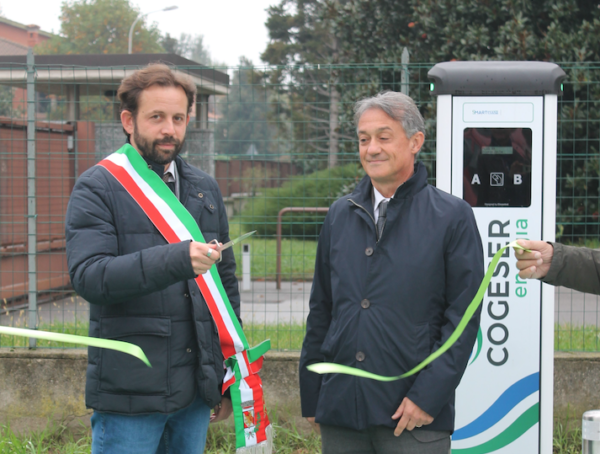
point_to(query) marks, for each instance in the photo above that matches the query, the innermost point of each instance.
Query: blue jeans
(180, 432)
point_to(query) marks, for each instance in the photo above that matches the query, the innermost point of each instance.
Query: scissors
(227, 245)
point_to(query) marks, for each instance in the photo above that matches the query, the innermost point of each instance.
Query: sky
(231, 28)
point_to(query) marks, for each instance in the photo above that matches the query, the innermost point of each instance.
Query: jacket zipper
(369, 214)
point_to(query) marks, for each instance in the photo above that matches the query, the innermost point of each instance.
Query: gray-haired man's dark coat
(384, 306)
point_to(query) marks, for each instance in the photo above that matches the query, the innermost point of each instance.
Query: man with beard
(141, 287)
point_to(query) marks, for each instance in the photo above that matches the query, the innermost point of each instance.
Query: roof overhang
(98, 74)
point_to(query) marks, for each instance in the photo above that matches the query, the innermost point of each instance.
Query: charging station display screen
(497, 167)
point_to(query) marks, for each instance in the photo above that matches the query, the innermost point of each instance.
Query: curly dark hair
(154, 74)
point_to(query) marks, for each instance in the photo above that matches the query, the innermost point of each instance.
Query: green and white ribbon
(332, 368)
(119, 346)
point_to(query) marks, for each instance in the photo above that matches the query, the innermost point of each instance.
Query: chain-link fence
(274, 138)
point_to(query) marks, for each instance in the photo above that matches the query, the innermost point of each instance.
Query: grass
(567, 440)
(567, 433)
(297, 256)
(569, 337)
(289, 336)
(57, 439)
(284, 336)
(288, 438)
(78, 328)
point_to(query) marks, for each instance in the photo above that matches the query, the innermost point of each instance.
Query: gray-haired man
(397, 264)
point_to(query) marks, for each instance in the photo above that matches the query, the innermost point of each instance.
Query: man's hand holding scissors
(205, 255)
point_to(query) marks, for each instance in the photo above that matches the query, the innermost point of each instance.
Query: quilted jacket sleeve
(98, 273)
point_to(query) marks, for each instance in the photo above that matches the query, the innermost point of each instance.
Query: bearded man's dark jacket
(141, 291)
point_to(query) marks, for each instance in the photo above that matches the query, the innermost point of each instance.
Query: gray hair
(398, 106)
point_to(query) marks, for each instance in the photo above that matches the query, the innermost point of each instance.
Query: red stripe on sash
(226, 340)
(259, 405)
(169, 234)
(138, 195)
(227, 384)
(256, 366)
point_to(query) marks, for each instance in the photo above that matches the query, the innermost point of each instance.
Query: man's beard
(150, 151)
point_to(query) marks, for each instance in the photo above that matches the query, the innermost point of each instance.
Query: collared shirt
(377, 199)
(171, 171)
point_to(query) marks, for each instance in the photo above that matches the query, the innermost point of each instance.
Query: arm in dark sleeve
(98, 273)
(435, 385)
(317, 325)
(227, 265)
(574, 267)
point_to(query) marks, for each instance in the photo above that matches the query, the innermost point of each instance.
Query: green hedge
(318, 189)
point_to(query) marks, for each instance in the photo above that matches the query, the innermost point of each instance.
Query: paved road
(264, 303)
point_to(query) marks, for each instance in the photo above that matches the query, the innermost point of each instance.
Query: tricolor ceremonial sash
(176, 224)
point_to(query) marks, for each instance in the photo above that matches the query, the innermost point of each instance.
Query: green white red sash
(176, 224)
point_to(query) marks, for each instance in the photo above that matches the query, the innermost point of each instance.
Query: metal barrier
(279, 219)
(268, 135)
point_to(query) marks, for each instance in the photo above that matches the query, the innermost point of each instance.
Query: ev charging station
(496, 149)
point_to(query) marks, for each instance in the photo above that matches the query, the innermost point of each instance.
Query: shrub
(318, 189)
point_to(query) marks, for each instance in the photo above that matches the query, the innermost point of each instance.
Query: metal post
(74, 148)
(31, 202)
(590, 432)
(246, 280)
(404, 78)
(202, 111)
(130, 41)
(73, 103)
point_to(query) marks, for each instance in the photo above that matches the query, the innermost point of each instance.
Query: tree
(247, 126)
(546, 30)
(188, 46)
(377, 31)
(433, 31)
(6, 102)
(193, 47)
(170, 44)
(100, 27)
(301, 32)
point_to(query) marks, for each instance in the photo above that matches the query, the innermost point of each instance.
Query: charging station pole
(496, 149)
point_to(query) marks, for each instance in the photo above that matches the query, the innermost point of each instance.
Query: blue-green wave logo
(515, 394)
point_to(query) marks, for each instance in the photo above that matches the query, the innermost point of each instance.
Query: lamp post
(168, 8)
